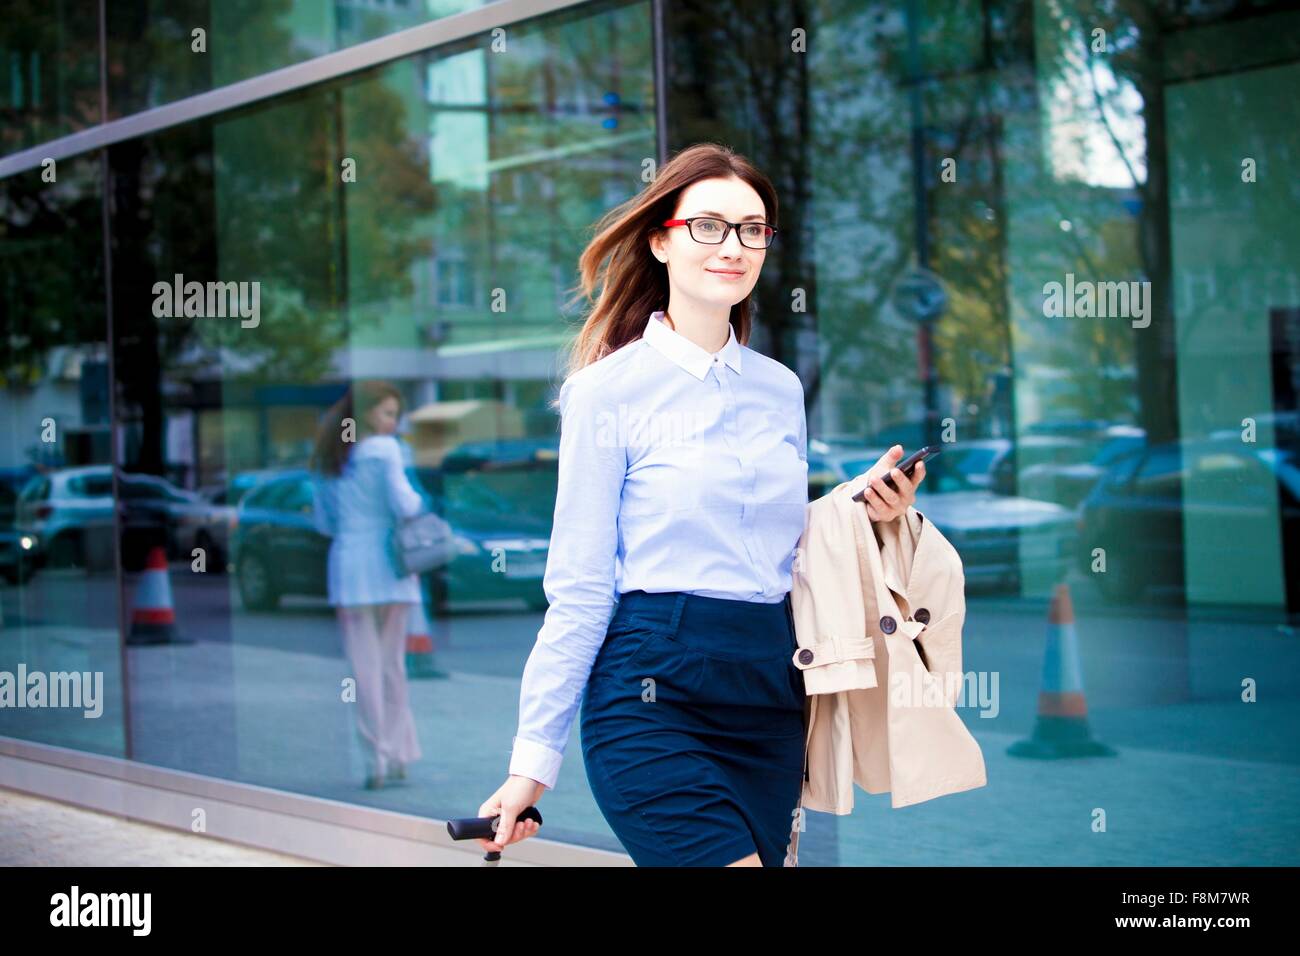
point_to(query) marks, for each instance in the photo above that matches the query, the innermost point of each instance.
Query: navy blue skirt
(692, 729)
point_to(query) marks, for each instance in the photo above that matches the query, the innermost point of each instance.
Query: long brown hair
(331, 452)
(634, 283)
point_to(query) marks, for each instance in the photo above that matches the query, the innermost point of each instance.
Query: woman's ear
(656, 243)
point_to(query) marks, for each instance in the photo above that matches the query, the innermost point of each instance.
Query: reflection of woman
(361, 491)
(682, 494)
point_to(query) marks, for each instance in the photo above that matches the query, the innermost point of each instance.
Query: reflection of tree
(733, 79)
(51, 267)
(257, 196)
(51, 72)
(1136, 32)
(51, 236)
(832, 130)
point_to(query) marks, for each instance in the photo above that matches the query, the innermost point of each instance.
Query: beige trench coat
(878, 612)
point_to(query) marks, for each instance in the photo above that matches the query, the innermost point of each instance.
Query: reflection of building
(437, 428)
(412, 200)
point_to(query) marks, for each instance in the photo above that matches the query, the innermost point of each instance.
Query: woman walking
(682, 494)
(361, 491)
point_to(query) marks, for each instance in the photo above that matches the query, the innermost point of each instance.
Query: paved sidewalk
(39, 832)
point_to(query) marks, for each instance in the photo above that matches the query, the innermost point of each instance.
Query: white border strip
(320, 69)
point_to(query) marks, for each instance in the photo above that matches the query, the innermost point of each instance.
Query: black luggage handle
(474, 828)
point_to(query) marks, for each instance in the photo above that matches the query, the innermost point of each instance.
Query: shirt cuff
(535, 761)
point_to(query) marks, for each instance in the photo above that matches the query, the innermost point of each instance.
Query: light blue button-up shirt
(679, 470)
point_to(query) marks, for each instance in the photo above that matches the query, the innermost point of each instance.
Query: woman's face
(719, 274)
(382, 418)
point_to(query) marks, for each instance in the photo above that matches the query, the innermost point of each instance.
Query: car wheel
(256, 589)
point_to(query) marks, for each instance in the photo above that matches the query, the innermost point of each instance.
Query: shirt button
(888, 624)
(805, 656)
(922, 615)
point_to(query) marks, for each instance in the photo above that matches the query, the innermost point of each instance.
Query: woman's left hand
(883, 503)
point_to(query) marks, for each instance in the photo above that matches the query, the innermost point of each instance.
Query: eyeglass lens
(752, 234)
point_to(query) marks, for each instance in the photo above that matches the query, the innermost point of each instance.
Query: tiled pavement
(39, 832)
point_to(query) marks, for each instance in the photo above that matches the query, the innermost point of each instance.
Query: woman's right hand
(512, 798)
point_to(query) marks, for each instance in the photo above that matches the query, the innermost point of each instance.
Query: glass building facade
(1056, 237)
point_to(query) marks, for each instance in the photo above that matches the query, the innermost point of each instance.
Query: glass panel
(416, 225)
(60, 653)
(1058, 238)
(158, 53)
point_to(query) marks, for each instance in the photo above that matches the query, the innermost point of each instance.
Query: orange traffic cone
(1062, 726)
(153, 618)
(419, 646)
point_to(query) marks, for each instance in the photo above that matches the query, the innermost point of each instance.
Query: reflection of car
(494, 532)
(996, 535)
(274, 546)
(999, 535)
(1032, 452)
(1233, 493)
(524, 470)
(213, 536)
(17, 554)
(71, 512)
(1067, 482)
(1048, 467)
(830, 463)
(156, 512)
(18, 549)
(501, 553)
(1284, 425)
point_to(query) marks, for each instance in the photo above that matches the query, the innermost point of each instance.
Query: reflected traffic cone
(153, 618)
(419, 646)
(1062, 726)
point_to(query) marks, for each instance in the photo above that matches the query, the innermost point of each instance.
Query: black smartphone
(905, 466)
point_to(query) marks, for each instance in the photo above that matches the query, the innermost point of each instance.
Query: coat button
(922, 615)
(888, 624)
(805, 656)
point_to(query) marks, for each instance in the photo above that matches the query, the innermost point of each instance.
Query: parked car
(996, 535)
(276, 549)
(1069, 478)
(494, 531)
(71, 513)
(1139, 512)
(17, 548)
(213, 536)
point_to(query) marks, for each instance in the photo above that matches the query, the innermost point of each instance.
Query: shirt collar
(686, 353)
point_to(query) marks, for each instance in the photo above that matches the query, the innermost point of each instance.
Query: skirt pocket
(626, 635)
